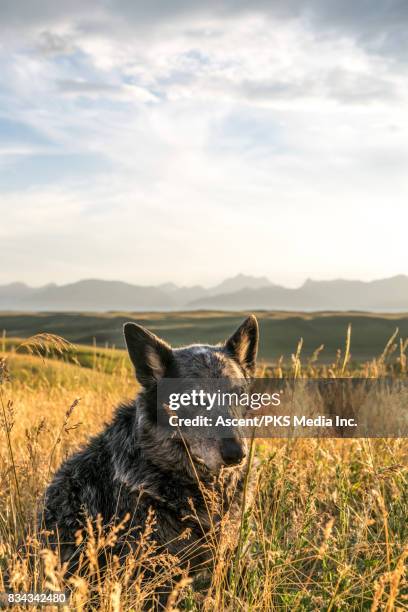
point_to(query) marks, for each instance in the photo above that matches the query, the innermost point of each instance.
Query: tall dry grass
(328, 529)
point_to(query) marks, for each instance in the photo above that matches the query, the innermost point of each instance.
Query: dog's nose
(232, 451)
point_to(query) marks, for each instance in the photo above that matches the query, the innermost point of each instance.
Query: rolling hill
(279, 331)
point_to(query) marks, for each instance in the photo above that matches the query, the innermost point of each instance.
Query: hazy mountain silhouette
(238, 293)
(238, 283)
(92, 294)
(384, 294)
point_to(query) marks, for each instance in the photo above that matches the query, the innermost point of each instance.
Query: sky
(187, 141)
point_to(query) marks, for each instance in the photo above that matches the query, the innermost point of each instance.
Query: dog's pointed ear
(243, 344)
(150, 355)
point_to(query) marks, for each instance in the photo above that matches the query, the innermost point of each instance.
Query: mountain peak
(239, 282)
(240, 292)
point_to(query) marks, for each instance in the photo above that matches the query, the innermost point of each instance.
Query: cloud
(82, 86)
(263, 51)
(53, 44)
(377, 25)
(140, 135)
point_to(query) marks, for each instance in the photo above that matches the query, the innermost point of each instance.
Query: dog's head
(233, 361)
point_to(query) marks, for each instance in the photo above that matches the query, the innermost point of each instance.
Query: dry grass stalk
(327, 529)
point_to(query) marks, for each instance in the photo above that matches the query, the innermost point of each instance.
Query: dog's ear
(243, 344)
(150, 355)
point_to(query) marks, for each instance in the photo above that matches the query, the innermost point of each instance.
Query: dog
(134, 468)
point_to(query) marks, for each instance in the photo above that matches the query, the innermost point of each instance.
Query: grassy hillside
(280, 331)
(327, 529)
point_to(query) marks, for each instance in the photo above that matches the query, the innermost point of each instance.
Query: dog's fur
(134, 466)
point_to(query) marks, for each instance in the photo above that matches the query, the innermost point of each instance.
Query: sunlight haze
(154, 142)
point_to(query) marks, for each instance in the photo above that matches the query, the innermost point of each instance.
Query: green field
(280, 331)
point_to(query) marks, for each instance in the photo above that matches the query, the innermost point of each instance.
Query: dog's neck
(149, 457)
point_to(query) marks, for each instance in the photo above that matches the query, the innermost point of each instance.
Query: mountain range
(238, 293)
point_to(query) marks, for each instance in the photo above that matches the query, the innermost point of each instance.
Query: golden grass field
(328, 529)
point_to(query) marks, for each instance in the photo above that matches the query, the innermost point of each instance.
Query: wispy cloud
(186, 141)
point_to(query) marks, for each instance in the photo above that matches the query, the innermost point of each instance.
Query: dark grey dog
(133, 466)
